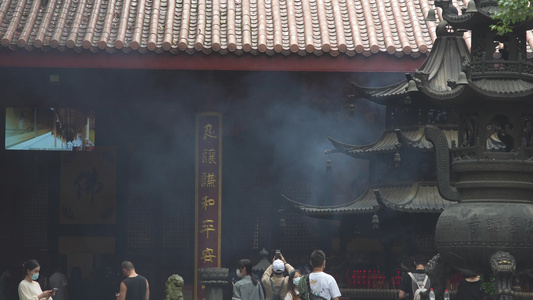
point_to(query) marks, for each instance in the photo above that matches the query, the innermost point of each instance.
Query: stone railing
(501, 69)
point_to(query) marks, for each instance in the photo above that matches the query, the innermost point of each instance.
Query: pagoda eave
(365, 204)
(383, 95)
(418, 197)
(414, 197)
(387, 143)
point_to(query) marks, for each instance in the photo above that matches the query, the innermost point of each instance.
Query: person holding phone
(29, 288)
(273, 279)
(59, 283)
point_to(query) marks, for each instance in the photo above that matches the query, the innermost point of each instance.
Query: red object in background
(369, 279)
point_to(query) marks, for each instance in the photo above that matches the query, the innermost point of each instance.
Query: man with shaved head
(134, 286)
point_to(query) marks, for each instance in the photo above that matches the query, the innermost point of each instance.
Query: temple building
(120, 114)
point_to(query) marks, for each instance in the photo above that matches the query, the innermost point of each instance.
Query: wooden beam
(215, 61)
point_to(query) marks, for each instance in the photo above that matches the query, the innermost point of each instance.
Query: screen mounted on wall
(49, 128)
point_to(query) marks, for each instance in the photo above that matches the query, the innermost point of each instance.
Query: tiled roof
(391, 141)
(240, 26)
(414, 198)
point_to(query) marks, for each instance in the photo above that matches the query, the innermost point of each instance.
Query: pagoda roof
(392, 140)
(437, 80)
(411, 198)
(382, 95)
(503, 87)
(444, 64)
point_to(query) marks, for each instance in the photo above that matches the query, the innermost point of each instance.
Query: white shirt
(288, 296)
(324, 285)
(30, 290)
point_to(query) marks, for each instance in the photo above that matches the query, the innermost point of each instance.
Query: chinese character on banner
(208, 195)
(88, 187)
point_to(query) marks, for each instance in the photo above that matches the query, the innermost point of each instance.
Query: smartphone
(278, 254)
(55, 290)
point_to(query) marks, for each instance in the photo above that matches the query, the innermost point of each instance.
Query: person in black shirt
(407, 283)
(135, 286)
(470, 288)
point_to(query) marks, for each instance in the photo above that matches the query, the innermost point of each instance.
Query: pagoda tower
(466, 117)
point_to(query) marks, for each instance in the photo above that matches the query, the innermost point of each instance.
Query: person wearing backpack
(273, 279)
(318, 285)
(416, 282)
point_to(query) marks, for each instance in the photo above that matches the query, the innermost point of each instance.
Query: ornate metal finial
(397, 159)
(462, 79)
(375, 222)
(411, 86)
(431, 17)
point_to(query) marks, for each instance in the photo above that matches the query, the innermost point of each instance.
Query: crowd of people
(276, 285)
(105, 285)
(280, 281)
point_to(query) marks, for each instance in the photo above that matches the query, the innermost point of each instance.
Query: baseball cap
(278, 266)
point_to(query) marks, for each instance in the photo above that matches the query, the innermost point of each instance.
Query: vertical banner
(208, 205)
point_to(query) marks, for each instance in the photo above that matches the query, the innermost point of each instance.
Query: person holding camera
(273, 279)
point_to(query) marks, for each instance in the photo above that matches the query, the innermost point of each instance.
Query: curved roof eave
(388, 142)
(412, 198)
(416, 198)
(366, 203)
(510, 89)
(382, 95)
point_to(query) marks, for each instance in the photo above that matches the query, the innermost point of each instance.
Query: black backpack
(277, 295)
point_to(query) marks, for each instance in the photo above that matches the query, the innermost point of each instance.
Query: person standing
(248, 288)
(4, 285)
(318, 285)
(292, 285)
(29, 288)
(78, 287)
(59, 281)
(470, 288)
(135, 286)
(273, 280)
(408, 286)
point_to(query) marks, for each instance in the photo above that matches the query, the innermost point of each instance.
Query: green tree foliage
(512, 12)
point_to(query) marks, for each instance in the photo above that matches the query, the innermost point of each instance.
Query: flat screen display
(49, 128)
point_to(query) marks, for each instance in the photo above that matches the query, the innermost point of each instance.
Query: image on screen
(49, 128)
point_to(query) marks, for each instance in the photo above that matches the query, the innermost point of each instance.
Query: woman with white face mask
(29, 288)
(292, 285)
(248, 288)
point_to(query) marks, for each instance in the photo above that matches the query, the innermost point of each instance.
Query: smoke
(276, 126)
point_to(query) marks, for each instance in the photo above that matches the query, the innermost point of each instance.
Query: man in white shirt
(322, 284)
